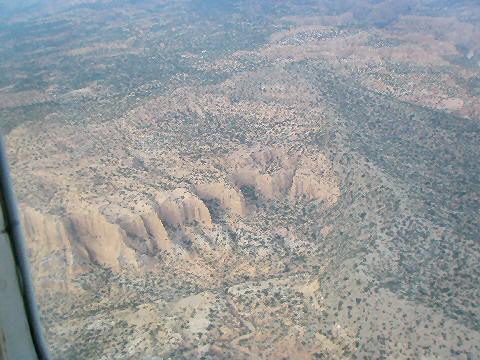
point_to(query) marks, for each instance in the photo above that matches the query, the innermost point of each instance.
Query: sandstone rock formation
(268, 170)
(69, 243)
(100, 241)
(49, 247)
(269, 185)
(182, 207)
(133, 225)
(145, 232)
(314, 179)
(230, 198)
(156, 230)
(61, 248)
(274, 173)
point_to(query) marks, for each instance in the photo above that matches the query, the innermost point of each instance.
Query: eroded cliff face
(269, 171)
(62, 247)
(314, 179)
(129, 235)
(85, 237)
(50, 248)
(277, 173)
(229, 197)
(73, 242)
(145, 232)
(155, 229)
(100, 241)
(182, 207)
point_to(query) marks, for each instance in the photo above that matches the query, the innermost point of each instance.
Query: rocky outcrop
(145, 233)
(269, 171)
(62, 246)
(230, 198)
(133, 225)
(270, 186)
(276, 173)
(181, 207)
(100, 241)
(84, 236)
(49, 247)
(314, 180)
(156, 231)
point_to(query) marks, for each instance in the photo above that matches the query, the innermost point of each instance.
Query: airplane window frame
(20, 328)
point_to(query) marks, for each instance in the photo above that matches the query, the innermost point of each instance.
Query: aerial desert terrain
(248, 179)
